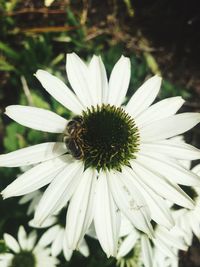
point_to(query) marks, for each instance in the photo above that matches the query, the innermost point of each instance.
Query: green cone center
(103, 137)
(23, 259)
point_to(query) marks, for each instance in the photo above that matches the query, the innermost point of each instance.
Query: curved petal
(50, 235)
(78, 75)
(37, 118)
(59, 191)
(119, 81)
(31, 240)
(66, 251)
(22, 238)
(159, 209)
(83, 248)
(173, 149)
(161, 186)
(130, 201)
(59, 91)
(106, 217)
(169, 168)
(147, 253)
(57, 244)
(163, 109)
(12, 243)
(33, 154)
(127, 244)
(80, 211)
(169, 127)
(144, 96)
(98, 81)
(35, 178)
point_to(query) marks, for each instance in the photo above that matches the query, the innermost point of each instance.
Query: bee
(73, 137)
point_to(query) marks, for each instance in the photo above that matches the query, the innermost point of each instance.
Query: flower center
(23, 259)
(103, 137)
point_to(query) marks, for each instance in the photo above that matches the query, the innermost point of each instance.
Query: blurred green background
(161, 37)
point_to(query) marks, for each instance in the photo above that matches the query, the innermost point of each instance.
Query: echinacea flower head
(25, 252)
(114, 158)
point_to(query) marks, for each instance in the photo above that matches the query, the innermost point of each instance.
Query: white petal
(106, 217)
(127, 244)
(164, 248)
(80, 211)
(161, 186)
(59, 91)
(144, 96)
(37, 118)
(98, 81)
(57, 244)
(78, 75)
(169, 168)
(130, 201)
(170, 238)
(31, 240)
(66, 251)
(159, 209)
(83, 248)
(59, 191)
(50, 235)
(22, 238)
(173, 149)
(163, 109)
(11, 242)
(119, 81)
(147, 254)
(36, 177)
(33, 154)
(169, 127)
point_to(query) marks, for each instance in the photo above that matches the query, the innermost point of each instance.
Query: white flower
(189, 220)
(25, 252)
(55, 236)
(33, 198)
(112, 158)
(163, 247)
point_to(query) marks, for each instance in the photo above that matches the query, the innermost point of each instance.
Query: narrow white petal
(83, 248)
(66, 251)
(11, 243)
(22, 238)
(37, 118)
(147, 254)
(106, 217)
(196, 169)
(163, 109)
(33, 154)
(36, 177)
(98, 81)
(169, 168)
(161, 186)
(80, 211)
(128, 244)
(59, 91)
(59, 191)
(170, 238)
(78, 75)
(169, 127)
(126, 227)
(144, 96)
(159, 209)
(119, 81)
(164, 248)
(57, 244)
(50, 235)
(173, 149)
(130, 201)
(31, 240)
